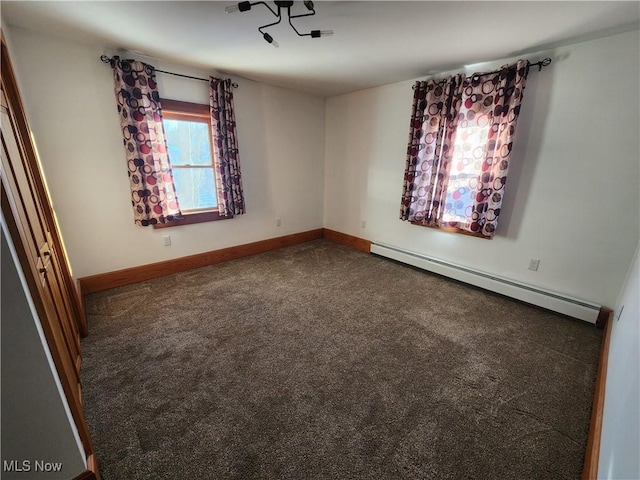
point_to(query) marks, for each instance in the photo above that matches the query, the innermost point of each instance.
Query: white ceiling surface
(375, 43)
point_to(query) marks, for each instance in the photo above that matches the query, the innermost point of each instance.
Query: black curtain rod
(545, 62)
(111, 61)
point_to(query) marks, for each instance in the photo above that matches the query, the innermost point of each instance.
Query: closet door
(29, 216)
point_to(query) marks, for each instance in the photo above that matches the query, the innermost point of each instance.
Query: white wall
(572, 196)
(68, 95)
(620, 442)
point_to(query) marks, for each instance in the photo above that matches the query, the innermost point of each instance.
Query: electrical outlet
(534, 263)
(278, 222)
(363, 224)
(166, 240)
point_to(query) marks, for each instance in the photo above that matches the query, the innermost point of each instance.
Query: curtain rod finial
(110, 61)
(544, 63)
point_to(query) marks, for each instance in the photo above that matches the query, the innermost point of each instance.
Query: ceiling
(375, 43)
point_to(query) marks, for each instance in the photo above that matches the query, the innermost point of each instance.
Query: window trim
(453, 230)
(180, 110)
(191, 218)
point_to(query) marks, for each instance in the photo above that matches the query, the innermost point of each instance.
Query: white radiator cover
(556, 302)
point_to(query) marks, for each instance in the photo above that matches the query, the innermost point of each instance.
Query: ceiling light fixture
(245, 6)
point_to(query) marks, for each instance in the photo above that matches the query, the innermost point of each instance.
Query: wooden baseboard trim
(82, 323)
(603, 317)
(91, 473)
(127, 276)
(348, 240)
(592, 455)
(87, 475)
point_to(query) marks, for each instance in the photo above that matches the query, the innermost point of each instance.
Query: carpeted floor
(321, 362)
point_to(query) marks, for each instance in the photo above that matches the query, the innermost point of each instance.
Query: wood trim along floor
(592, 455)
(127, 276)
(82, 324)
(603, 317)
(348, 240)
(92, 472)
(87, 475)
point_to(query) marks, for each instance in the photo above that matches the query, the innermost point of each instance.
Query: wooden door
(29, 215)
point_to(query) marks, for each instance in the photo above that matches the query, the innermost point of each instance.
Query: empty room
(320, 240)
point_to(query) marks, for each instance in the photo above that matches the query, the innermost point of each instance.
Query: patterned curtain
(460, 140)
(153, 194)
(225, 144)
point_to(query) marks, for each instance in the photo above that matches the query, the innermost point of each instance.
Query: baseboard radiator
(534, 295)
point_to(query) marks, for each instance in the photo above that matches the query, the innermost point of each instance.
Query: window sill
(191, 218)
(453, 230)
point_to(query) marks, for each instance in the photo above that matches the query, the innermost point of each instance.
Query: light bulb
(270, 39)
(321, 33)
(242, 6)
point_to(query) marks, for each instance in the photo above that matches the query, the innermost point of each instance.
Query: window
(154, 196)
(468, 153)
(190, 155)
(460, 142)
(187, 128)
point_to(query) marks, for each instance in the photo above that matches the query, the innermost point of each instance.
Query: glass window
(188, 136)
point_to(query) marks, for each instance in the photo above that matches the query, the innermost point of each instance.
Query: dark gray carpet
(321, 362)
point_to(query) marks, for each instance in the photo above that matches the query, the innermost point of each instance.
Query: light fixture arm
(280, 4)
(313, 12)
(267, 5)
(271, 24)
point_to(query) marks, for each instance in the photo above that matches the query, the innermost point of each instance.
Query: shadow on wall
(350, 187)
(527, 143)
(251, 119)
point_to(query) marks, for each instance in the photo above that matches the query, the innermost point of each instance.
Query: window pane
(466, 168)
(188, 142)
(196, 188)
(460, 197)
